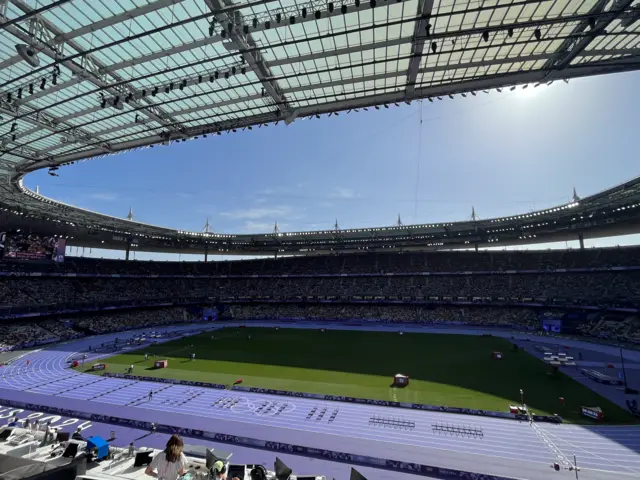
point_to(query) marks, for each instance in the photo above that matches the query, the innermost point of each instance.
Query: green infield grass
(452, 370)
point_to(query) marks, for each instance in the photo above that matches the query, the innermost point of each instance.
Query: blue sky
(503, 153)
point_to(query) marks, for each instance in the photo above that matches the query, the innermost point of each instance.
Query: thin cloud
(258, 213)
(262, 227)
(104, 196)
(344, 193)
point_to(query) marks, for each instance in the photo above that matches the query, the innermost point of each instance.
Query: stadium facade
(615, 211)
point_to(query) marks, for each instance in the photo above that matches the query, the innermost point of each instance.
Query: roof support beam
(114, 20)
(419, 37)
(252, 56)
(583, 34)
(152, 112)
(485, 83)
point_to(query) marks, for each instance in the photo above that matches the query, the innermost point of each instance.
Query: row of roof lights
(536, 214)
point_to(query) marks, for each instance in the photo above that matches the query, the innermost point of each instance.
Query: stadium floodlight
(343, 9)
(485, 36)
(318, 14)
(537, 33)
(510, 32)
(330, 6)
(31, 89)
(434, 47)
(43, 83)
(304, 12)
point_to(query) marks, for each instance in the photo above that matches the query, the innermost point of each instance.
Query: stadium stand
(486, 288)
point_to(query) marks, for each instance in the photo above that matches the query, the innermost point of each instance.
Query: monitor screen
(282, 471)
(236, 471)
(142, 458)
(71, 450)
(210, 458)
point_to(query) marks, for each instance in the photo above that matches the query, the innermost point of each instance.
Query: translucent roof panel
(86, 78)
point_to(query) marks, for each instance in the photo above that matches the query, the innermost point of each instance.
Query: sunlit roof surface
(116, 74)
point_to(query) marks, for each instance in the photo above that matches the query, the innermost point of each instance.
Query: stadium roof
(82, 79)
(115, 75)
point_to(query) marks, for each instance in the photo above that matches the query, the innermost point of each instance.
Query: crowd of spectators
(540, 276)
(519, 317)
(622, 286)
(129, 320)
(26, 333)
(413, 262)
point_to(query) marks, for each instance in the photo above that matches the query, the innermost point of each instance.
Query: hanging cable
(415, 200)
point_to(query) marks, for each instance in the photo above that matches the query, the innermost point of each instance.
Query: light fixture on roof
(245, 29)
(43, 83)
(14, 125)
(143, 93)
(485, 36)
(28, 54)
(154, 92)
(343, 9)
(537, 33)
(434, 47)
(103, 103)
(318, 14)
(428, 29)
(292, 20)
(217, 74)
(8, 97)
(304, 12)
(278, 17)
(31, 89)
(255, 23)
(267, 24)
(372, 3)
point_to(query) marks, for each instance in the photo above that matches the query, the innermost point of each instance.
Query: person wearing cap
(219, 471)
(171, 463)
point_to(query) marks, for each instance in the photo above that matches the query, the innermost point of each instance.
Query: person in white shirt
(170, 464)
